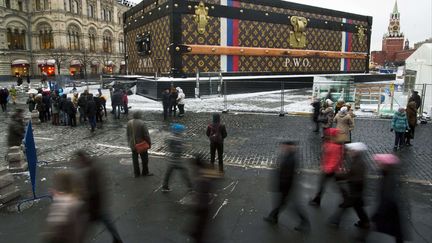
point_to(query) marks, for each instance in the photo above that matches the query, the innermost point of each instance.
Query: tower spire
(395, 8)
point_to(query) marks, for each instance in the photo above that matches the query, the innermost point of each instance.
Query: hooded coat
(411, 112)
(328, 113)
(400, 122)
(345, 123)
(181, 96)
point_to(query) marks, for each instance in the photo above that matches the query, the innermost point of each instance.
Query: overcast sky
(416, 16)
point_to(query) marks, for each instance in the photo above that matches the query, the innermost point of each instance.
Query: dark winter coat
(91, 108)
(82, 102)
(286, 171)
(31, 104)
(389, 218)
(140, 131)
(165, 99)
(47, 101)
(116, 99)
(316, 106)
(3, 96)
(417, 99)
(69, 107)
(99, 103)
(16, 131)
(327, 113)
(355, 177)
(173, 98)
(40, 106)
(411, 112)
(216, 131)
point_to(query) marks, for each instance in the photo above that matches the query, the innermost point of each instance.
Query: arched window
(75, 7)
(90, 10)
(42, 5)
(16, 39)
(74, 37)
(92, 40)
(107, 41)
(8, 5)
(46, 39)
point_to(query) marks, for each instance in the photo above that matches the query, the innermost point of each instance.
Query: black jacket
(286, 171)
(165, 99)
(69, 107)
(116, 99)
(91, 108)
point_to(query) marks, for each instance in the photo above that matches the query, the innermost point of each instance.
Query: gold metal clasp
(298, 36)
(201, 17)
(361, 34)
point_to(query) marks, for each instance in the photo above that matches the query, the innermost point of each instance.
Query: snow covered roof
(422, 56)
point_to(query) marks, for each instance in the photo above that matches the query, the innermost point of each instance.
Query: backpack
(215, 134)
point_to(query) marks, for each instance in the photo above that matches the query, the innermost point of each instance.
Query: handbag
(140, 147)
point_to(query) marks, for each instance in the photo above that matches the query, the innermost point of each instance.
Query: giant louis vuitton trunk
(247, 37)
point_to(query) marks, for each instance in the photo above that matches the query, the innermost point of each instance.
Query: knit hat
(356, 147)
(344, 109)
(177, 128)
(329, 102)
(386, 159)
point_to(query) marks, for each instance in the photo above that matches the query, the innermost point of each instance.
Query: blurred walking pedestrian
(400, 126)
(284, 182)
(166, 103)
(94, 191)
(137, 133)
(345, 123)
(16, 129)
(67, 218)
(389, 217)
(411, 112)
(176, 145)
(205, 178)
(331, 160)
(355, 178)
(216, 132)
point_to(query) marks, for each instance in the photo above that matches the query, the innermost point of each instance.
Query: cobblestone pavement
(252, 140)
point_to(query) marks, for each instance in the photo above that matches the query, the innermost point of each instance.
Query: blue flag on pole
(31, 155)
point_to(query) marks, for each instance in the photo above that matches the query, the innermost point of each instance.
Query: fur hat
(329, 102)
(356, 147)
(344, 109)
(386, 159)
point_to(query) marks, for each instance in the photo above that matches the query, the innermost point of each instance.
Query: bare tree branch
(59, 55)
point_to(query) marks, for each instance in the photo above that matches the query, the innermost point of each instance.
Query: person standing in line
(70, 111)
(90, 176)
(46, 99)
(411, 112)
(103, 101)
(63, 114)
(125, 103)
(327, 113)
(99, 108)
(173, 102)
(31, 102)
(116, 103)
(166, 103)
(91, 110)
(355, 177)
(176, 145)
(345, 123)
(180, 101)
(399, 125)
(40, 107)
(331, 161)
(55, 108)
(389, 217)
(316, 104)
(416, 98)
(285, 178)
(137, 132)
(216, 132)
(82, 107)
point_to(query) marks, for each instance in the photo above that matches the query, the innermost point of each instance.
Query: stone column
(15, 158)
(8, 190)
